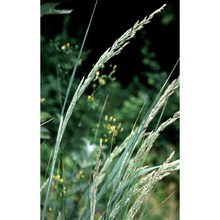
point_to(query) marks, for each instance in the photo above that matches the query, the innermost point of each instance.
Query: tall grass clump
(122, 182)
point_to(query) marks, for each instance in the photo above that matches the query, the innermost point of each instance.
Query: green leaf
(128, 181)
(44, 133)
(49, 9)
(44, 116)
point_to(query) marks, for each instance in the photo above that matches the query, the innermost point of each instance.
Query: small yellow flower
(42, 100)
(61, 180)
(102, 81)
(90, 97)
(94, 85)
(50, 209)
(112, 127)
(114, 67)
(68, 44)
(97, 73)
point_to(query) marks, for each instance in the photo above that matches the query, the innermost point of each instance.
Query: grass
(122, 181)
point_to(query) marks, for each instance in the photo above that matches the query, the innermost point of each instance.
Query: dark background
(112, 18)
(142, 68)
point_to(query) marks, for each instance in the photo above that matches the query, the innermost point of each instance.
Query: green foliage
(169, 16)
(50, 9)
(107, 117)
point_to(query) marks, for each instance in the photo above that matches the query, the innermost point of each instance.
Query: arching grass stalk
(60, 130)
(124, 169)
(114, 50)
(78, 59)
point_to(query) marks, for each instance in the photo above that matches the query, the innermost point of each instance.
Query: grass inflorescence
(122, 180)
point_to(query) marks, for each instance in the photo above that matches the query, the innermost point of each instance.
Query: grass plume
(123, 173)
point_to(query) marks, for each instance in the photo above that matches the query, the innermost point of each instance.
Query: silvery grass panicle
(123, 174)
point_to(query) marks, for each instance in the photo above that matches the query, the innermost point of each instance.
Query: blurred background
(129, 80)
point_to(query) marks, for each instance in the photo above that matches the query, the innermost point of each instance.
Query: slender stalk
(60, 130)
(116, 48)
(94, 188)
(79, 56)
(100, 117)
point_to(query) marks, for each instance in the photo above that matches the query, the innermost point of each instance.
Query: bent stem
(114, 50)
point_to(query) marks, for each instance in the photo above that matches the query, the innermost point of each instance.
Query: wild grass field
(108, 150)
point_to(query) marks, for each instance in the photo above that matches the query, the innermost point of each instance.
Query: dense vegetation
(110, 117)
